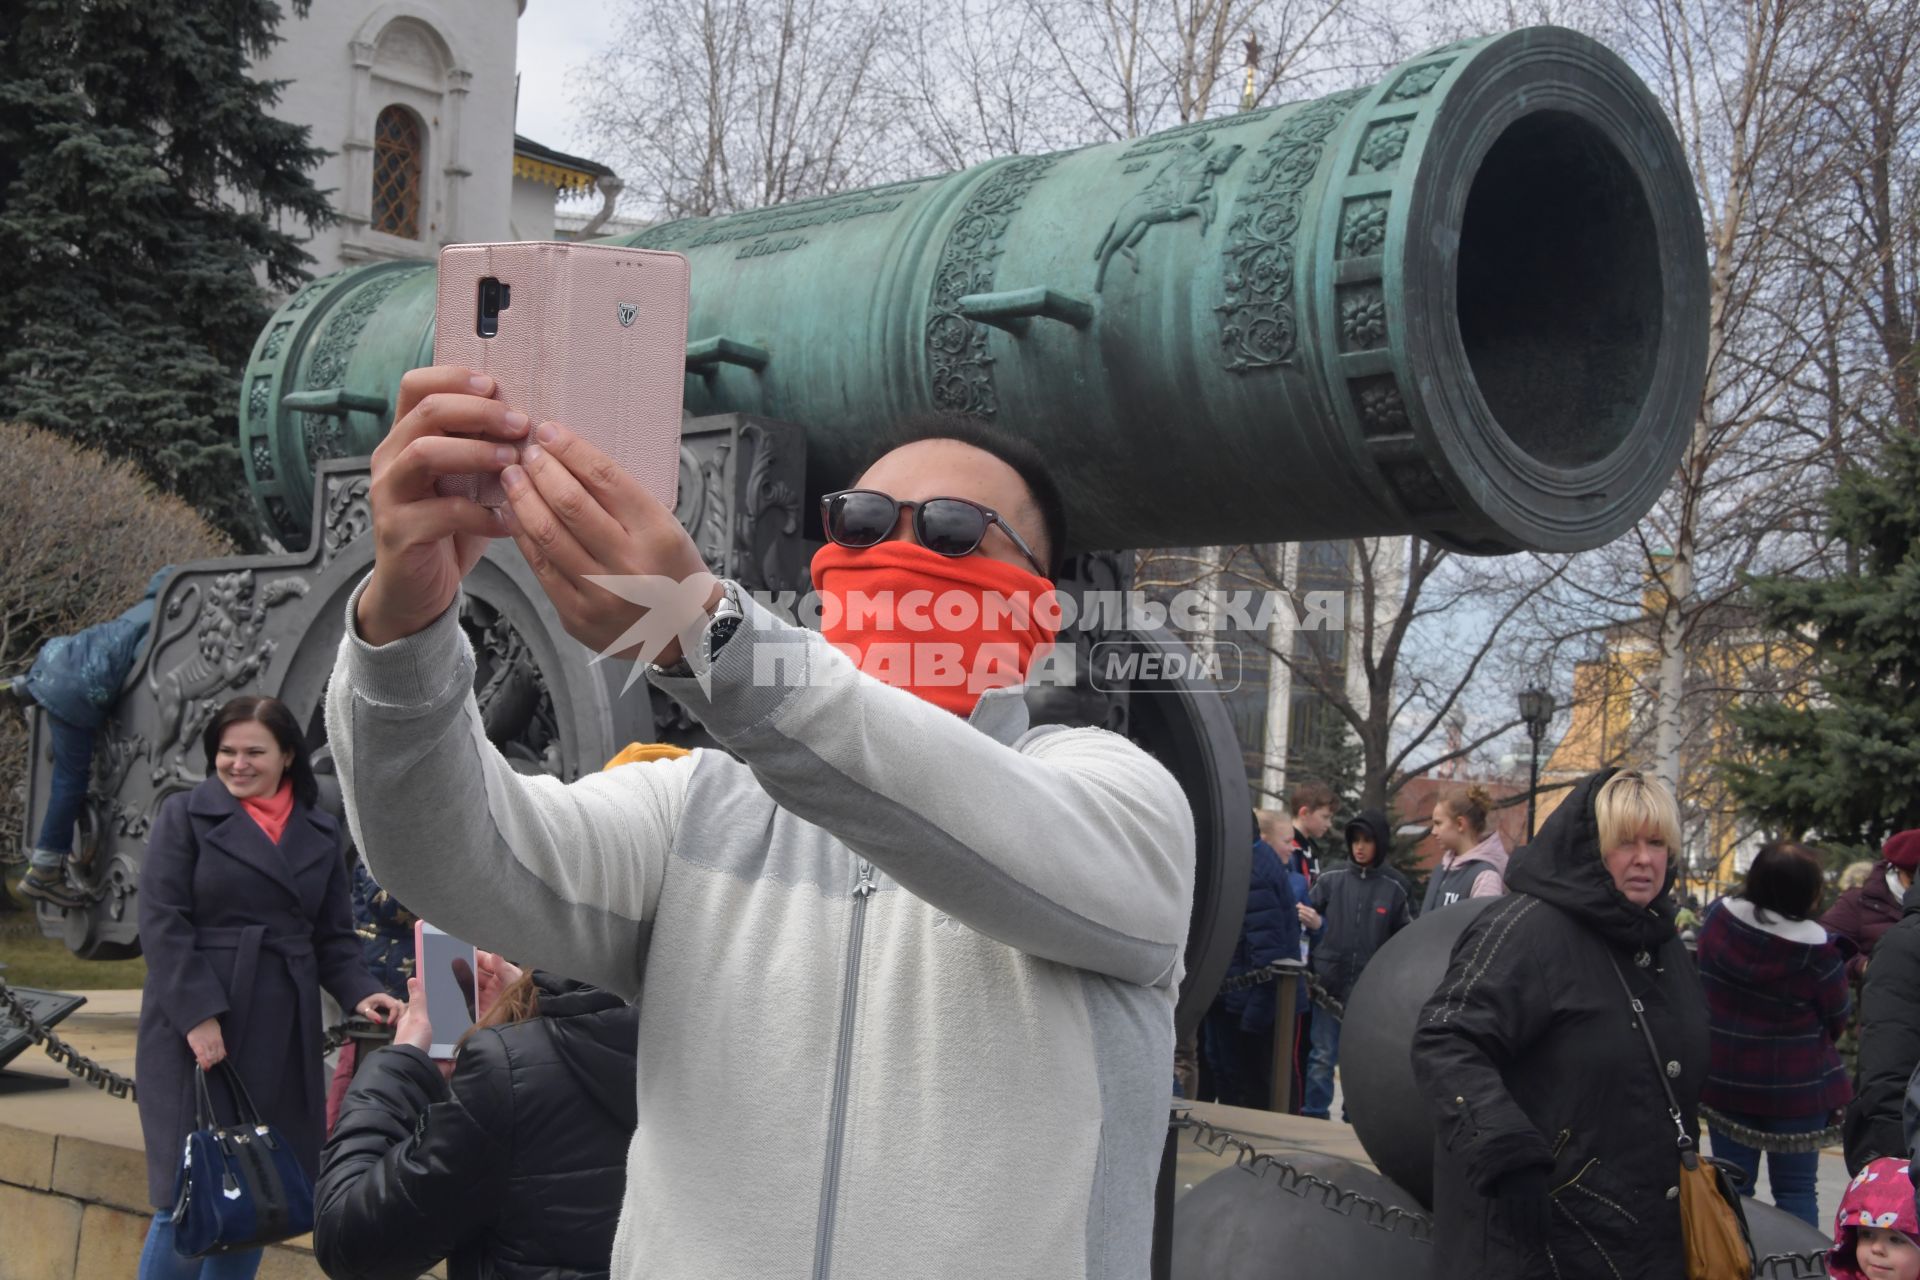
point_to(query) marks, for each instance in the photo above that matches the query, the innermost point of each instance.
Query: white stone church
(415, 99)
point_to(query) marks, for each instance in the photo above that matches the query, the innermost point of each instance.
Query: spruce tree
(1842, 766)
(145, 196)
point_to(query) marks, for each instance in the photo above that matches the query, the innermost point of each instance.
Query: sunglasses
(945, 526)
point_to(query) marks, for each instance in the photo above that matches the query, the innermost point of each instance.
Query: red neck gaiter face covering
(945, 629)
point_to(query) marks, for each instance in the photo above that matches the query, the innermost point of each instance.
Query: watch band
(721, 624)
(727, 618)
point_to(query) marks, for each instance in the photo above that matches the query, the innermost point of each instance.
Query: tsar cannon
(1467, 303)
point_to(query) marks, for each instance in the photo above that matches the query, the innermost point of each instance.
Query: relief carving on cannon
(271, 625)
(210, 643)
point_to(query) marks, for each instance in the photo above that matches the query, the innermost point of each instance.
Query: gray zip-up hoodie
(906, 982)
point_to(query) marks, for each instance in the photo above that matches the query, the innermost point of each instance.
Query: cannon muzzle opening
(1559, 290)
(1550, 270)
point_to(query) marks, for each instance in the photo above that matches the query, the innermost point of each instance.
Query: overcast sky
(556, 36)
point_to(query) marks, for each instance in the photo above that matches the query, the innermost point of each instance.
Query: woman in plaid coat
(1777, 1000)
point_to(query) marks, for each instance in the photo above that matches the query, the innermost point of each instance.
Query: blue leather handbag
(241, 1186)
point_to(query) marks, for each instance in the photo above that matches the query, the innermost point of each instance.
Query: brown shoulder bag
(1713, 1225)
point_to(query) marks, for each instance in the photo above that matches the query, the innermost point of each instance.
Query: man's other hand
(625, 578)
(447, 422)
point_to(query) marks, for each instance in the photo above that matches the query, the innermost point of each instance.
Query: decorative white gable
(415, 99)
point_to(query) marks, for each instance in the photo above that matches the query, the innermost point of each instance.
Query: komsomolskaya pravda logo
(628, 310)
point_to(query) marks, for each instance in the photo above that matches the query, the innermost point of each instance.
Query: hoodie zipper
(843, 1068)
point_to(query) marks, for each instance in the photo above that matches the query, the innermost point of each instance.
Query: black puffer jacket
(1531, 1059)
(1362, 907)
(1889, 1042)
(516, 1171)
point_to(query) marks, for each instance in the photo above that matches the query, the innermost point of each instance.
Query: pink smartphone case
(594, 337)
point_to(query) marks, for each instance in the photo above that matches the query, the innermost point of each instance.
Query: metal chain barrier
(1386, 1217)
(1288, 968)
(86, 1069)
(1761, 1140)
(1298, 1182)
(334, 1039)
(63, 1053)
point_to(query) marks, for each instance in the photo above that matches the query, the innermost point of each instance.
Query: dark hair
(279, 721)
(1013, 450)
(1360, 827)
(1312, 795)
(1470, 803)
(1786, 878)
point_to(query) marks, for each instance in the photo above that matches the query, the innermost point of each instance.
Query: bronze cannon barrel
(1468, 302)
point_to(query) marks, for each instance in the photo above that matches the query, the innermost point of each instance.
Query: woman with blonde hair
(1557, 1151)
(1475, 862)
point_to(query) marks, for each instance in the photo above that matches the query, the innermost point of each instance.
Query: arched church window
(399, 155)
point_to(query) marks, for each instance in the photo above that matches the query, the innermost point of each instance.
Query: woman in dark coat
(1556, 1153)
(1777, 1000)
(1862, 914)
(513, 1169)
(244, 917)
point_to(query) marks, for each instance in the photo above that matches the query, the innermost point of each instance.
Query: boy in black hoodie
(1361, 903)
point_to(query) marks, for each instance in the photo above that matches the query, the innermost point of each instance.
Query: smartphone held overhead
(449, 972)
(591, 336)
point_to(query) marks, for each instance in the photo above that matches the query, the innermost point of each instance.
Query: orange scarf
(944, 629)
(271, 812)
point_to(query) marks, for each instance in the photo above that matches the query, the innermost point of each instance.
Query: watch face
(721, 631)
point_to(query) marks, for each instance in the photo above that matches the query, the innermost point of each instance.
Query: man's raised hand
(625, 578)
(447, 422)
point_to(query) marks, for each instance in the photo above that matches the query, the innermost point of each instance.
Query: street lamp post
(1536, 709)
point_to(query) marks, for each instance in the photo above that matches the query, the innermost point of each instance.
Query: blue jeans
(1793, 1175)
(159, 1261)
(1325, 1035)
(72, 767)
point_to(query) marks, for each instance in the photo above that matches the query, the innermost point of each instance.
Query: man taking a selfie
(905, 966)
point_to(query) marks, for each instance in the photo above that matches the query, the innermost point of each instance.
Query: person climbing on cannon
(76, 680)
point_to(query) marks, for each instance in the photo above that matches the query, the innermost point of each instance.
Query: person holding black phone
(244, 918)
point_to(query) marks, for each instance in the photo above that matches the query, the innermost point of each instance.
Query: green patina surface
(1238, 330)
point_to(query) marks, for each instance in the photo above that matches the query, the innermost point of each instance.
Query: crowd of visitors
(821, 935)
(1748, 1001)
(510, 1159)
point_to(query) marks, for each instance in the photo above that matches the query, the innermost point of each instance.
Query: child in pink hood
(1875, 1231)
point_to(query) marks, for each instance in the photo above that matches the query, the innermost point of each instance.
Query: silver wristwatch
(724, 621)
(727, 617)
